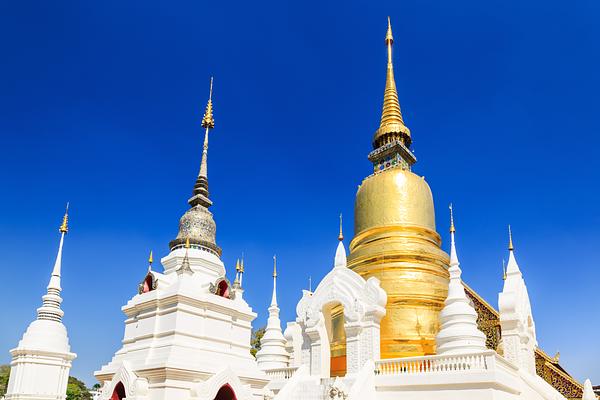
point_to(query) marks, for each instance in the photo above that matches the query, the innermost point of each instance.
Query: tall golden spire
(510, 242)
(341, 235)
(150, 260)
(392, 125)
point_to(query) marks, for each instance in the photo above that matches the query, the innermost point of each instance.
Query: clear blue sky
(100, 105)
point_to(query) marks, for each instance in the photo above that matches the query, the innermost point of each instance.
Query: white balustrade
(435, 364)
(281, 373)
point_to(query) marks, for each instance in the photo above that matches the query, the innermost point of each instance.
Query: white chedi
(273, 353)
(588, 391)
(459, 333)
(516, 318)
(42, 360)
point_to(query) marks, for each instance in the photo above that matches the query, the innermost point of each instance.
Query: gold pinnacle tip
(389, 39)
(510, 241)
(187, 243)
(208, 120)
(64, 227)
(341, 235)
(150, 258)
(242, 264)
(452, 229)
(275, 266)
(503, 270)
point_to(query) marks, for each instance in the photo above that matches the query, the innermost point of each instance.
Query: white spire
(512, 267)
(588, 391)
(340, 252)
(272, 353)
(459, 332)
(516, 318)
(274, 297)
(50, 309)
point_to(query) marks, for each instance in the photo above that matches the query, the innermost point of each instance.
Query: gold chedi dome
(395, 238)
(392, 197)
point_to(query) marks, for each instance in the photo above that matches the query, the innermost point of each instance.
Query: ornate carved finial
(237, 265)
(64, 227)
(274, 266)
(208, 121)
(556, 357)
(242, 264)
(452, 230)
(150, 260)
(341, 235)
(510, 241)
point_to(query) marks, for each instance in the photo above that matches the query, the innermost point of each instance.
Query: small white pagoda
(42, 360)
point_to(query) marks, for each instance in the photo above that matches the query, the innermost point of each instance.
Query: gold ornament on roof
(274, 266)
(510, 241)
(150, 258)
(242, 265)
(64, 227)
(208, 120)
(341, 235)
(187, 243)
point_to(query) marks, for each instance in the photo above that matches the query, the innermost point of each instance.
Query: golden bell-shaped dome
(394, 197)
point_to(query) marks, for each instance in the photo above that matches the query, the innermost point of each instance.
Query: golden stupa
(395, 238)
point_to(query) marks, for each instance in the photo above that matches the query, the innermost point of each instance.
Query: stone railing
(281, 373)
(436, 364)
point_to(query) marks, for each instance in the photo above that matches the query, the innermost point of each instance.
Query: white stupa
(42, 360)
(516, 319)
(459, 333)
(272, 353)
(187, 331)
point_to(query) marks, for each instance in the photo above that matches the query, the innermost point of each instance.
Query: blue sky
(101, 102)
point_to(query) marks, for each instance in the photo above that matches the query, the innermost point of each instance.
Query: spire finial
(50, 309)
(310, 283)
(274, 266)
(391, 127)
(452, 230)
(341, 235)
(503, 270)
(237, 265)
(64, 227)
(510, 241)
(150, 260)
(389, 39)
(200, 193)
(208, 121)
(187, 243)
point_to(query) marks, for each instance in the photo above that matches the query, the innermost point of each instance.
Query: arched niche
(148, 284)
(225, 393)
(118, 392)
